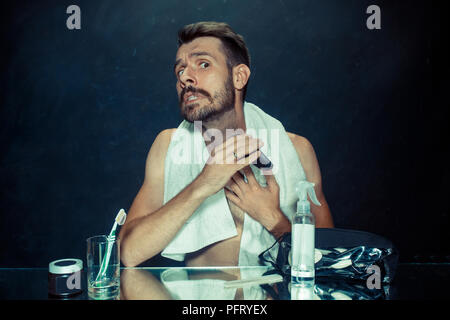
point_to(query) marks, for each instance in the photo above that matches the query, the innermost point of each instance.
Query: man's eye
(204, 63)
(180, 72)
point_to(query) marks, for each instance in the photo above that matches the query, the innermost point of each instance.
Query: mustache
(193, 90)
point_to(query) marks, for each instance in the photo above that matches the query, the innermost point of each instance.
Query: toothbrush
(120, 220)
(272, 278)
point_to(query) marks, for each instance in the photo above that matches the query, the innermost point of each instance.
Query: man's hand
(226, 159)
(261, 203)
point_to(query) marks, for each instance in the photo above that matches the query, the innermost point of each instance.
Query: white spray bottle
(302, 237)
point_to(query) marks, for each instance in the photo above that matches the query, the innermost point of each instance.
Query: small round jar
(64, 277)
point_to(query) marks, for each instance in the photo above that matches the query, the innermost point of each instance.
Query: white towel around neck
(213, 220)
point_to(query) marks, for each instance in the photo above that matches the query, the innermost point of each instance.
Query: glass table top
(412, 281)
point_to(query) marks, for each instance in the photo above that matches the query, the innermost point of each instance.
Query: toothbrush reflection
(190, 284)
(303, 293)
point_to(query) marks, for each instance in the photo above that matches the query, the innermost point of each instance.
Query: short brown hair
(232, 43)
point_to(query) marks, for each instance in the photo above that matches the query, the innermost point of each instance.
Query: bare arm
(310, 164)
(151, 225)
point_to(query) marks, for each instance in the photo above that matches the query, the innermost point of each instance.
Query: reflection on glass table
(233, 283)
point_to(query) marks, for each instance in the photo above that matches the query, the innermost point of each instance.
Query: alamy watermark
(74, 281)
(373, 281)
(74, 20)
(374, 20)
(196, 153)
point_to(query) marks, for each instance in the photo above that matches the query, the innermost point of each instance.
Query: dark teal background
(80, 109)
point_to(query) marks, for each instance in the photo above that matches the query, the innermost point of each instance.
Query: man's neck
(231, 120)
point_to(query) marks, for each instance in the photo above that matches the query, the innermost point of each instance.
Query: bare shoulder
(158, 151)
(307, 156)
(161, 142)
(164, 137)
(301, 144)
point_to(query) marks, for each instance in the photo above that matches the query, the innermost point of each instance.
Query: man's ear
(241, 74)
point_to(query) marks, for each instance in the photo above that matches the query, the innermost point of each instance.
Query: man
(212, 70)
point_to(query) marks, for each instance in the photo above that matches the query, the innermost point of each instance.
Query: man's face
(204, 82)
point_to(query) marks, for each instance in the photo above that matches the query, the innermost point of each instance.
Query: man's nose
(188, 77)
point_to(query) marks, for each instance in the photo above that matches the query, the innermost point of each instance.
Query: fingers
(270, 179)
(230, 195)
(245, 146)
(234, 186)
(250, 159)
(236, 149)
(228, 144)
(238, 180)
(250, 177)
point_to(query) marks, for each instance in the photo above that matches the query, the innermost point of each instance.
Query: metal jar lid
(64, 266)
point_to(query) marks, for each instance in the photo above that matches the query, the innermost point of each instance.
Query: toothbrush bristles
(121, 217)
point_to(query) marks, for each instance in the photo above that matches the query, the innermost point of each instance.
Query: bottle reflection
(303, 292)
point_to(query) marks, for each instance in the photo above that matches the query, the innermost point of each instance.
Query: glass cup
(103, 268)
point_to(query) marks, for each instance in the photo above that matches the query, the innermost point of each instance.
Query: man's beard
(222, 102)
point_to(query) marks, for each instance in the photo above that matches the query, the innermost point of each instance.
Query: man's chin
(196, 117)
(190, 113)
(194, 113)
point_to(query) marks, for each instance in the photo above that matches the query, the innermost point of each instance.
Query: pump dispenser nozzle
(303, 189)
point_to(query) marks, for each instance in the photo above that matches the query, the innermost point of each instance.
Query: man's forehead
(211, 45)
